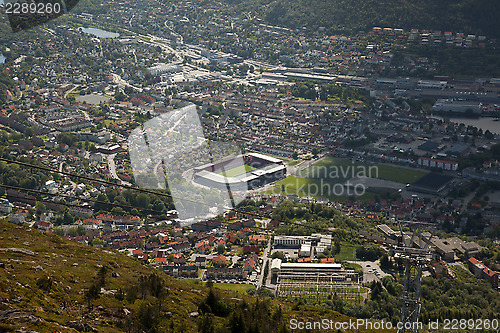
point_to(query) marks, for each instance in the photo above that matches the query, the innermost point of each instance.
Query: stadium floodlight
(26, 14)
(170, 150)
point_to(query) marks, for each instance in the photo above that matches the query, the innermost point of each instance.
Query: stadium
(245, 172)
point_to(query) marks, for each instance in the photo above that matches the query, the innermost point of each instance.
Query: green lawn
(298, 186)
(239, 288)
(338, 170)
(292, 162)
(237, 170)
(346, 253)
(304, 187)
(400, 175)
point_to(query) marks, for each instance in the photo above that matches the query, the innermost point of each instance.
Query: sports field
(313, 188)
(240, 169)
(338, 170)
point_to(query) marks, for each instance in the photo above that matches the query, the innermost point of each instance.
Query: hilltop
(476, 16)
(48, 284)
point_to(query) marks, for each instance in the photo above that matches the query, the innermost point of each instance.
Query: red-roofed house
(41, 225)
(250, 265)
(202, 247)
(136, 252)
(482, 271)
(251, 249)
(219, 260)
(256, 239)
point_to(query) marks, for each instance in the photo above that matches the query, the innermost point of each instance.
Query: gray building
(457, 106)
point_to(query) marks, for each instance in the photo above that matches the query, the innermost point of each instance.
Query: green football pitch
(240, 169)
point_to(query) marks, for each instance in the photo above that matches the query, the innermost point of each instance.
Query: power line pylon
(415, 255)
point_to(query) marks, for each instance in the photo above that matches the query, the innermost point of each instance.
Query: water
(100, 33)
(484, 123)
(2, 57)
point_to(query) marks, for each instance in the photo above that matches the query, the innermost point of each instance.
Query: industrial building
(99, 137)
(314, 272)
(319, 241)
(161, 68)
(435, 163)
(317, 280)
(457, 106)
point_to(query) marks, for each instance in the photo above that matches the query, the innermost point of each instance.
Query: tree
(369, 252)
(72, 232)
(221, 249)
(385, 262)
(44, 284)
(40, 207)
(92, 294)
(336, 249)
(143, 200)
(206, 325)
(28, 132)
(278, 255)
(101, 276)
(315, 152)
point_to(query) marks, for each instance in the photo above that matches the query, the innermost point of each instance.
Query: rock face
(80, 326)
(18, 250)
(17, 315)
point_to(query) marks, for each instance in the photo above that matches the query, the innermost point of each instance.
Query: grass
(298, 186)
(240, 169)
(72, 267)
(346, 253)
(310, 187)
(239, 288)
(56, 257)
(338, 170)
(293, 162)
(400, 175)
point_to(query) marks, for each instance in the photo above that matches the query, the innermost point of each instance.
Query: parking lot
(371, 270)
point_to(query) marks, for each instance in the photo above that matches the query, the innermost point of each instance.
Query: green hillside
(49, 284)
(472, 16)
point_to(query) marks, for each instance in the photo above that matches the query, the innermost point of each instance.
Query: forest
(476, 16)
(6, 83)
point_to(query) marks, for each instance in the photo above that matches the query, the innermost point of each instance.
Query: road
(71, 90)
(264, 260)
(112, 169)
(295, 170)
(112, 166)
(122, 83)
(60, 169)
(373, 266)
